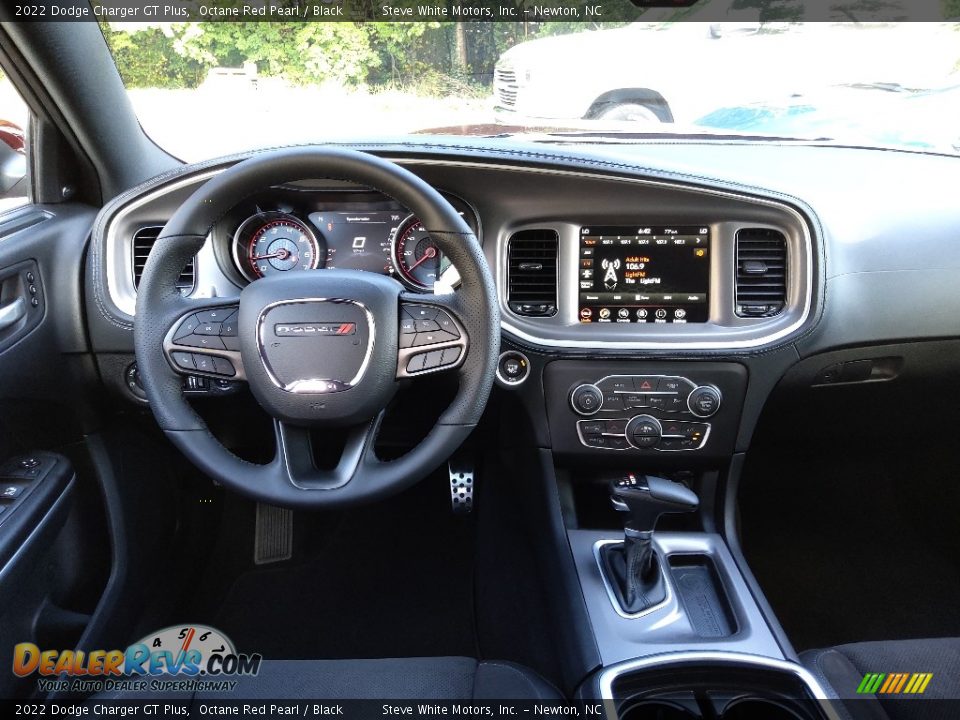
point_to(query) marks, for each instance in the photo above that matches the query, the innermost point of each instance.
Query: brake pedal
(461, 486)
(274, 534)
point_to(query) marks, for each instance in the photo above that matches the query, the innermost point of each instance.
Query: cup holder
(715, 687)
(758, 709)
(657, 710)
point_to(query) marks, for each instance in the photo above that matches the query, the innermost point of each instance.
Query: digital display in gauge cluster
(358, 240)
(644, 274)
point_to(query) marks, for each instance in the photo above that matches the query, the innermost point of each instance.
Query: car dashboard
(700, 259)
(664, 272)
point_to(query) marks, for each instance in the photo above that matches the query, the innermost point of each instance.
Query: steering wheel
(318, 349)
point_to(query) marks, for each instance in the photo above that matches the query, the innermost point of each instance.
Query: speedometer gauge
(270, 243)
(417, 259)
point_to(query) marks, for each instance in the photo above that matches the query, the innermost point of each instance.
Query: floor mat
(855, 545)
(391, 579)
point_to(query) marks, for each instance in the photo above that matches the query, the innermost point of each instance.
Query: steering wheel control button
(427, 326)
(586, 399)
(183, 360)
(433, 359)
(421, 312)
(415, 364)
(217, 315)
(187, 326)
(513, 367)
(704, 401)
(446, 323)
(228, 328)
(222, 366)
(204, 363)
(207, 329)
(422, 326)
(432, 338)
(208, 342)
(450, 356)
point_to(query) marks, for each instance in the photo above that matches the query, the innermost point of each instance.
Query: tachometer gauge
(273, 242)
(416, 258)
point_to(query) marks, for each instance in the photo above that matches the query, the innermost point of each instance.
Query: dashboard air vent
(761, 272)
(532, 273)
(143, 240)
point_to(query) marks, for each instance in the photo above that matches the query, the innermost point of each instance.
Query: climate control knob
(704, 401)
(586, 399)
(644, 431)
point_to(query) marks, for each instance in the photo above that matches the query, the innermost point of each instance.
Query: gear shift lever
(632, 568)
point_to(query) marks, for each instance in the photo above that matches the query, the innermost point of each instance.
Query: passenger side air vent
(532, 273)
(143, 240)
(761, 272)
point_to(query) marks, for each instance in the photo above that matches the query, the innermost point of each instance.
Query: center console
(640, 324)
(679, 630)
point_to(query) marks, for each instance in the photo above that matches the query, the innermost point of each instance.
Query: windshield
(203, 89)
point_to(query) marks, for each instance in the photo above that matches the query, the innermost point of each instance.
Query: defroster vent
(532, 273)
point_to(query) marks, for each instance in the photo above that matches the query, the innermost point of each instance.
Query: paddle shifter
(633, 568)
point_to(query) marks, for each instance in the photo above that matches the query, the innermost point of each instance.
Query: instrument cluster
(290, 230)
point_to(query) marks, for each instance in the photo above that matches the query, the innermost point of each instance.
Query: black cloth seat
(439, 678)
(842, 669)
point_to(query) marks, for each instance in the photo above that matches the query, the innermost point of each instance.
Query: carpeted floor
(389, 579)
(858, 543)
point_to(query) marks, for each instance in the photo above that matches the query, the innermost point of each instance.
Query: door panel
(52, 534)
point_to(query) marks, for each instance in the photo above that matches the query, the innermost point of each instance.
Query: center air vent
(532, 273)
(761, 272)
(143, 240)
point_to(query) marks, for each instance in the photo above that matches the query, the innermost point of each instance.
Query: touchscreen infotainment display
(644, 274)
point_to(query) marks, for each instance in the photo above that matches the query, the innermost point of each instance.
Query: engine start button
(513, 367)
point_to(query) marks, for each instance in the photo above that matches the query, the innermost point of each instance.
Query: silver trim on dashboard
(723, 282)
(800, 253)
(765, 338)
(119, 248)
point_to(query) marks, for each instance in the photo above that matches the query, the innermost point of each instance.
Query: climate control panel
(652, 408)
(668, 393)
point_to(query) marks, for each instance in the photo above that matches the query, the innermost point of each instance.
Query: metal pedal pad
(461, 487)
(274, 535)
